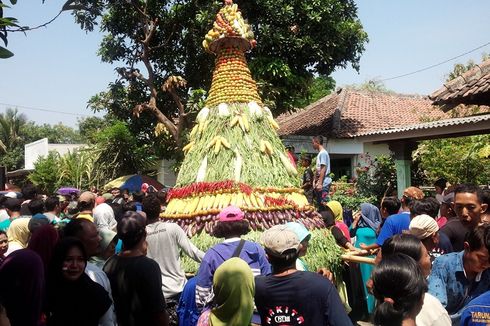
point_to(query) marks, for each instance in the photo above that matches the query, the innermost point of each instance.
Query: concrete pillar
(403, 159)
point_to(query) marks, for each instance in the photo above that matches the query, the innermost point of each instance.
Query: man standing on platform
(322, 181)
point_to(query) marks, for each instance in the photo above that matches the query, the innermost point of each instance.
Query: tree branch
(27, 28)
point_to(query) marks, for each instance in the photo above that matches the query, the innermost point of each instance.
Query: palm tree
(11, 123)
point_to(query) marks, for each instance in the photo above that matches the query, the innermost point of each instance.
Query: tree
(11, 123)
(157, 46)
(459, 160)
(46, 173)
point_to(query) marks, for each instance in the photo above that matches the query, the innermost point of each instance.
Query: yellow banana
(234, 121)
(225, 143)
(188, 147)
(245, 123)
(217, 146)
(194, 131)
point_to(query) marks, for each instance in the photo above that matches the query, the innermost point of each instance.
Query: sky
(56, 68)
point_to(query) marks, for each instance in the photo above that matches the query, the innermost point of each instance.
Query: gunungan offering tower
(234, 155)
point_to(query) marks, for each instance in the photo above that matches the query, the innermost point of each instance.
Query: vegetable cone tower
(234, 155)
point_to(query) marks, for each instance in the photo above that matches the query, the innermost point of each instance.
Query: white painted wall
(41, 148)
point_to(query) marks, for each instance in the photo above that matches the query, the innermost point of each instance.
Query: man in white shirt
(165, 240)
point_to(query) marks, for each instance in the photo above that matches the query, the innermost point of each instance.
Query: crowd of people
(108, 259)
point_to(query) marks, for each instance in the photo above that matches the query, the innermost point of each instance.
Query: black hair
(3, 232)
(392, 204)
(399, 286)
(124, 191)
(406, 244)
(129, 207)
(151, 206)
(427, 205)
(36, 206)
(279, 263)
(234, 228)
(469, 188)
(318, 139)
(131, 230)
(60, 252)
(138, 196)
(13, 204)
(118, 210)
(51, 202)
(86, 205)
(441, 183)
(74, 228)
(478, 237)
(162, 197)
(29, 191)
(408, 200)
(486, 198)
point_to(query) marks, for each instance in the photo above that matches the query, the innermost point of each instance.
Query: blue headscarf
(370, 217)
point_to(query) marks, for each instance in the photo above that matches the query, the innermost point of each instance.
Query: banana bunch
(242, 121)
(218, 142)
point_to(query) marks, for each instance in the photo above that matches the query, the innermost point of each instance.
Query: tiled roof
(428, 125)
(349, 112)
(472, 87)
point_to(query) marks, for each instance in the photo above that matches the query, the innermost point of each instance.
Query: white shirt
(164, 243)
(432, 313)
(98, 276)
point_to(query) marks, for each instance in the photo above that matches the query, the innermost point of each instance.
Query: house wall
(354, 149)
(41, 148)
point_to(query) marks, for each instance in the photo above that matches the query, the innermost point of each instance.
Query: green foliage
(459, 160)
(46, 173)
(376, 177)
(113, 152)
(117, 150)
(320, 87)
(16, 131)
(5, 23)
(348, 195)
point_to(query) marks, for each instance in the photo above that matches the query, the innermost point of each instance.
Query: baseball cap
(301, 231)
(413, 192)
(423, 226)
(87, 197)
(280, 241)
(107, 196)
(11, 194)
(231, 214)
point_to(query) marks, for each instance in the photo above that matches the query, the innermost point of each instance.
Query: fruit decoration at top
(229, 23)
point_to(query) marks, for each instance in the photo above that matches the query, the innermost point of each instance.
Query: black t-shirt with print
(301, 298)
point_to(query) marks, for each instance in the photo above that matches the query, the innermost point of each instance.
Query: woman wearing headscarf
(72, 297)
(22, 287)
(364, 227)
(18, 234)
(234, 288)
(107, 247)
(338, 214)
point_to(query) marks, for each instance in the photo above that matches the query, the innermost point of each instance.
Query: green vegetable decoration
(234, 156)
